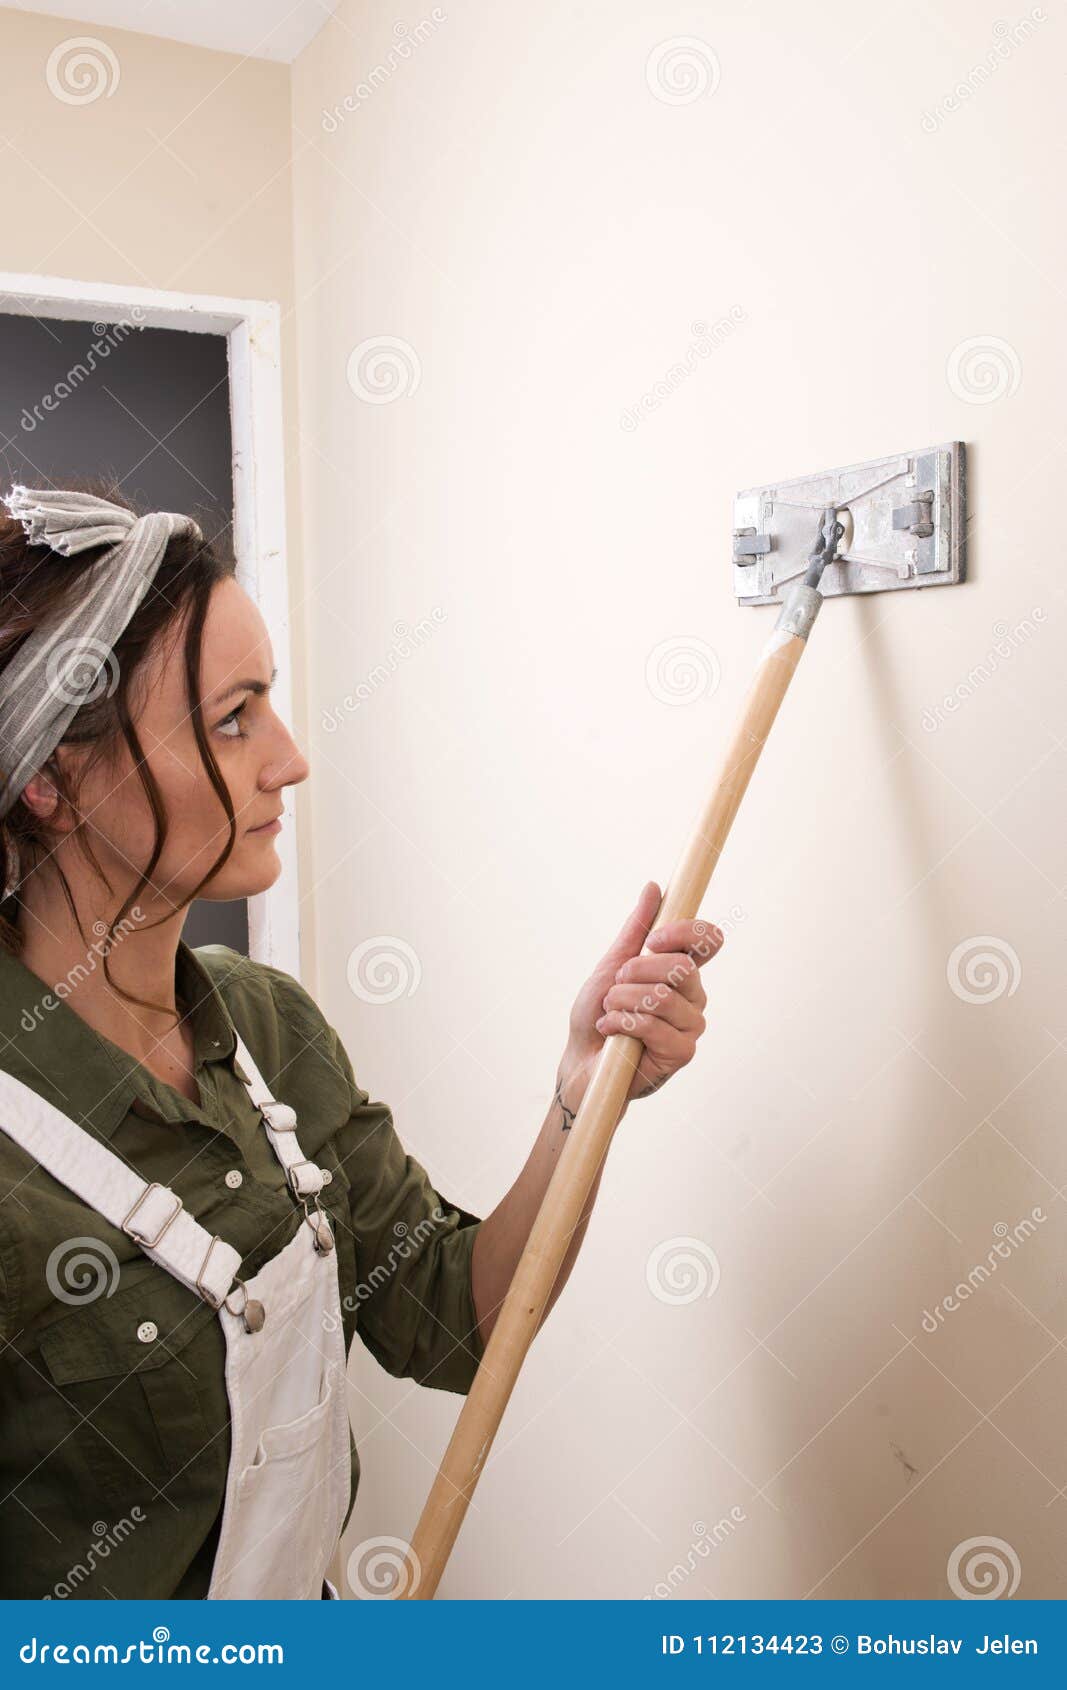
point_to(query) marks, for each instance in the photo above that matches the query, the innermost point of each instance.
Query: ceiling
(260, 29)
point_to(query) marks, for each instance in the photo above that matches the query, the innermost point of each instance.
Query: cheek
(197, 830)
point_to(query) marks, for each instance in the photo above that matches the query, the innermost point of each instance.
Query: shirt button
(234, 1178)
(147, 1331)
(326, 1176)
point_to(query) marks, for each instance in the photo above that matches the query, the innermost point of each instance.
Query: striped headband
(65, 664)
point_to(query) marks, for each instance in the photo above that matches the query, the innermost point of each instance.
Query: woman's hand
(657, 998)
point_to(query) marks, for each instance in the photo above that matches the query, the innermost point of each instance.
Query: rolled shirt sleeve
(415, 1303)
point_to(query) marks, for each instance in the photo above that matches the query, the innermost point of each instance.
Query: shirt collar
(49, 1047)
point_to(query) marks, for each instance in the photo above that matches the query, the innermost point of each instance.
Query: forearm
(503, 1233)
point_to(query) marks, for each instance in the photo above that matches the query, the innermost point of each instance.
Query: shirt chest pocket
(140, 1402)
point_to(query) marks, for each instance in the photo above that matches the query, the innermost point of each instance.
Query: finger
(700, 939)
(664, 1043)
(674, 968)
(659, 1000)
(635, 928)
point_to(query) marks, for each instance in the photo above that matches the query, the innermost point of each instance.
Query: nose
(288, 766)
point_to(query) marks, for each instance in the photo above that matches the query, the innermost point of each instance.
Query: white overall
(289, 1477)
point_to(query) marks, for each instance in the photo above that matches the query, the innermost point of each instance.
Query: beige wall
(514, 203)
(490, 563)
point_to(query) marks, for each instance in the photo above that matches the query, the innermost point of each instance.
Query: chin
(245, 878)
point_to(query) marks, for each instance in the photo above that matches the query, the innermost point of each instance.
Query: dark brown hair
(37, 583)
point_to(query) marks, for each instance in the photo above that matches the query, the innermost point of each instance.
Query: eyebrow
(252, 685)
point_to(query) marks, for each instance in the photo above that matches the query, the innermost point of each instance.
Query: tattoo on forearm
(653, 1085)
(568, 1114)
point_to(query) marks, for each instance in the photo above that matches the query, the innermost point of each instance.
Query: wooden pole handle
(591, 1131)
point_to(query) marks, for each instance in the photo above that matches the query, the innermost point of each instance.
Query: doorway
(96, 382)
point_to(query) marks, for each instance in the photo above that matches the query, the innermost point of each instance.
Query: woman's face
(256, 754)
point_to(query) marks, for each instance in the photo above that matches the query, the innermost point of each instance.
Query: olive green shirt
(114, 1417)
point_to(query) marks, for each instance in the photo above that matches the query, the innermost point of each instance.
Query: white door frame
(253, 333)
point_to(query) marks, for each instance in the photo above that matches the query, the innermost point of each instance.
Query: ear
(40, 795)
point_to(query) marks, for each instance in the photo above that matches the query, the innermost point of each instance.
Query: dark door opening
(150, 408)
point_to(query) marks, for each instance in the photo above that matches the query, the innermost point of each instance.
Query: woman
(199, 1205)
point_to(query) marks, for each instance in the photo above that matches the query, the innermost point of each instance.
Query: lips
(268, 823)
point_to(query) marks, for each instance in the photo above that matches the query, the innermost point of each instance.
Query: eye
(235, 731)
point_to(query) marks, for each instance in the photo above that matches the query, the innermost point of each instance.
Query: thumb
(635, 929)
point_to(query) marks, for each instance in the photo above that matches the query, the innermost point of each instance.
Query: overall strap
(149, 1213)
(304, 1177)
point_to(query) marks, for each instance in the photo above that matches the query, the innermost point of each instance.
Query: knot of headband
(65, 663)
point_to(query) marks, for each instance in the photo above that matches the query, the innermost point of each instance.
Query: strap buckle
(281, 1117)
(292, 1175)
(205, 1291)
(150, 1243)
